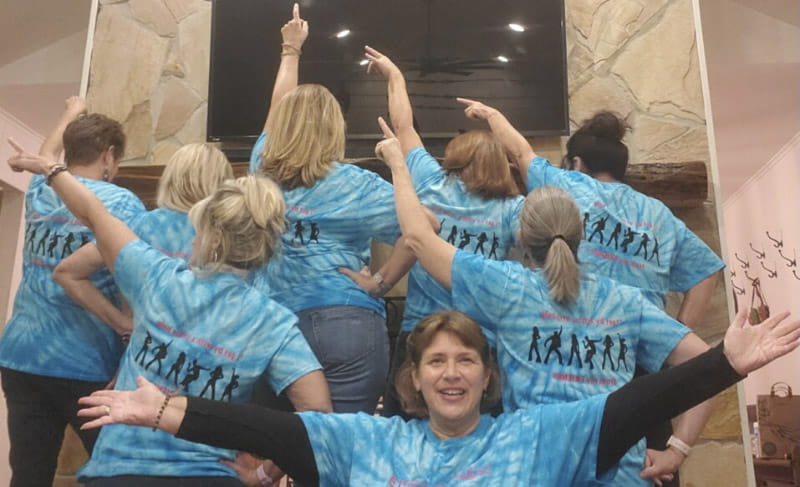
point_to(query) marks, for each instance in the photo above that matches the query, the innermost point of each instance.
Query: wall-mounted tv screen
(508, 53)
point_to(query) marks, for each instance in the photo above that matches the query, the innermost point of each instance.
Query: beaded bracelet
(161, 410)
(55, 169)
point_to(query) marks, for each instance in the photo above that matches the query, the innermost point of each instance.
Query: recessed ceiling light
(363, 62)
(516, 27)
(342, 34)
(502, 59)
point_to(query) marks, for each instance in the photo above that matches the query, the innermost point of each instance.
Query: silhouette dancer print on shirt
(192, 374)
(629, 236)
(42, 242)
(67, 248)
(176, 368)
(623, 349)
(575, 351)
(643, 245)
(465, 236)
(142, 355)
(535, 345)
(599, 225)
(159, 354)
(31, 238)
(615, 236)
(53, 244)
(298, 232)
(654, 252)
(84, 239)
(555, 346)
(482, 238)
(585, 224)
(213, 377)
(493, 248)
(232, 384)
(608, 344)
(451, 238)
(591, 350)
(314, 233)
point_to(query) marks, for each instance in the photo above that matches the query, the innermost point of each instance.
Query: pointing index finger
(387, 132)
(466, 101)
(16, 146)
(296, 11)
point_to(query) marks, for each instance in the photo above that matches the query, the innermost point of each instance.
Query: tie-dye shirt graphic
(630, 237)
(48, 333)
(211, 337)
(486, 227)
(166, 230)
(551, 353)
(329, 225)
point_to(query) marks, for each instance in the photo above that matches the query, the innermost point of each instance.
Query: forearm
(516, 146)
(279, 436)
(411, 214)
(86, 295)
(690, 424)
(285, 81)
(397, 265)
(401, 113)
(695, 301)
(639, 405)
(54, 143)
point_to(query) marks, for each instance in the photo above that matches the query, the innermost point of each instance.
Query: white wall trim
(87, 54)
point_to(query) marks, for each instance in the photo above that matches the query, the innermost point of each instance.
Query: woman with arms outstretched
(201, 329)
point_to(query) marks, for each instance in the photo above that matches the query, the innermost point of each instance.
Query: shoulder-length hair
(480, 161)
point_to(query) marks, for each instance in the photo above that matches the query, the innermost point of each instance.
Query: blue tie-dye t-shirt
(48, 333)
(547, 446)
(329, 225)
(486, 227)
(630, 237)
(210, 337)
(167, 230)
(551, 353)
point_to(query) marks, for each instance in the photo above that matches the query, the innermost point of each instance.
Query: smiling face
(452, 378)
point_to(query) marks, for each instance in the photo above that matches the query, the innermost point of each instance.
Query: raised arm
(294, 34)
(400, 111)
(74, 273)
(111, 233)
(52, 146)
(634, 409)
(435, 255)
(517, 147)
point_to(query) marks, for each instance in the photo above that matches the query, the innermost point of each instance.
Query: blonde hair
(551, 230)
(480, 161)
(240, 224)
(306, 135)
(468, 333)
(191, 174)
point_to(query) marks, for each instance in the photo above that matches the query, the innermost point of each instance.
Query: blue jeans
(352, 345)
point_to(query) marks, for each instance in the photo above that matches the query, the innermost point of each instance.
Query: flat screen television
(511, 54)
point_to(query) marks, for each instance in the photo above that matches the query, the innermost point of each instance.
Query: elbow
(61, 276)
(415, 242)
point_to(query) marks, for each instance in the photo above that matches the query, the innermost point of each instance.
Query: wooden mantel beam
(678, 185)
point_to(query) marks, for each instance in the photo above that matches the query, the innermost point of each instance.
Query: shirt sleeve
(292, 360)
(334, 439)
(255, 154)
(424, 168)
(659, 335)
(377, 208)
(138, 267)
(693, 261)
(486, 299)
(542, 173)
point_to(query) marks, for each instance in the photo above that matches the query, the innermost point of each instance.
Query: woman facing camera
(447, 373)
(201, 330)
(52, 351)
(333, 212)
(191, 174)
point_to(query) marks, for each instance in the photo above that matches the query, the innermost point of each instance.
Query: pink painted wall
(12, 224)
(769, 202)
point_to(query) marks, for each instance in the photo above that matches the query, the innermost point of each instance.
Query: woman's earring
(216, 255)
(105, 174)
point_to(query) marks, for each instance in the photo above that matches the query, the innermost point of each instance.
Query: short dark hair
(598, 142)
(87, 137)
(468, 333)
